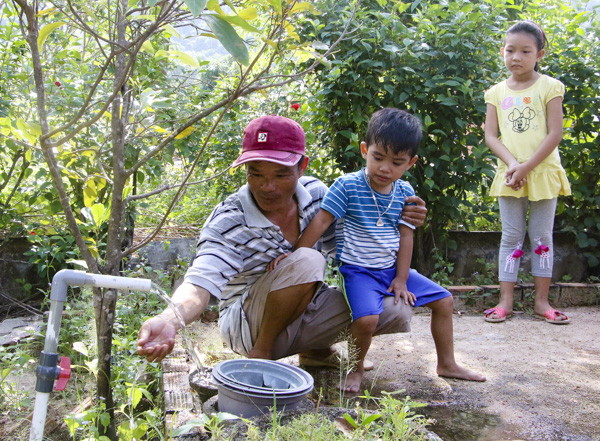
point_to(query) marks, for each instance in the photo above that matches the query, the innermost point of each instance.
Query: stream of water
(189, 343)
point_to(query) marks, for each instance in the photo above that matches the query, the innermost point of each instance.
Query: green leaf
(184, 58)
(239, 21)
(136, 396)
(99, 213)
(191, 424)
(89, 193)
(147, 47)
(47, 30)
(448, 101)
(213, 5)
(171, 30)
(350, 420)
(81, 348)
(304, 6)
(370, 419)
(196, 6)
(229, 38)
(248, 13)
(277, 5)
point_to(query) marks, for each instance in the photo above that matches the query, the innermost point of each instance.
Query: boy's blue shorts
(365, 288)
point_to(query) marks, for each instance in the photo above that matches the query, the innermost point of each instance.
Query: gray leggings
(513, 213)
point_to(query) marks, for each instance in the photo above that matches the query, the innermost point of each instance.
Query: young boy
(368, 206)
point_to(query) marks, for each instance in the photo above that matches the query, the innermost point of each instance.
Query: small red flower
(295, 106)
(57, 83)
(32, 233)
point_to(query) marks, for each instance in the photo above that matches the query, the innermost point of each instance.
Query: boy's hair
(396, 130)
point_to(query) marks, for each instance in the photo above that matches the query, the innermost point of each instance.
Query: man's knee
(309, 255)
(394, 318)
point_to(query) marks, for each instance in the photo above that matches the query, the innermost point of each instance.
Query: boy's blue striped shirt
(359, 240)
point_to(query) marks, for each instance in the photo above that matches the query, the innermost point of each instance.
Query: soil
(543, 380)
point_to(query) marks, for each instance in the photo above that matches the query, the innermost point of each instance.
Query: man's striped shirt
(236, 244)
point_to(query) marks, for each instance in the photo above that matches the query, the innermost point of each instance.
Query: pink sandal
(499, 311)
(552, 314)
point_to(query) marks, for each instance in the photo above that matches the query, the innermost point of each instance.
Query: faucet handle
(65, 373)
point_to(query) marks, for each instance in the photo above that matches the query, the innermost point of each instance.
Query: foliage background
(434, 58)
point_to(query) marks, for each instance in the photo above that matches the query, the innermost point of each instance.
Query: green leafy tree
(437, 59)
(573, 57)
(432, 59)
(107, 101)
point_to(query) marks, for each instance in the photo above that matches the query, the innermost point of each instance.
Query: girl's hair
(532, 28)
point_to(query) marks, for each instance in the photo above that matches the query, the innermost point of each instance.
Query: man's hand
(414, 214)
(156, 338)
(398, 287)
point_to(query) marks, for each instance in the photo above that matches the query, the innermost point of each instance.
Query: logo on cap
(262, 137)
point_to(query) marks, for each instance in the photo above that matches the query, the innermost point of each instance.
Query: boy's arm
(403, 260)
(315, 229)
(309, 237)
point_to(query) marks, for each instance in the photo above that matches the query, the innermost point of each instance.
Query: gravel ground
(543, 380)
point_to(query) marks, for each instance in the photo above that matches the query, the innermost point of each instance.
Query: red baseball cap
(272, 138)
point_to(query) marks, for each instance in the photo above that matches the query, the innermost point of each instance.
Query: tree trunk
(105, 305)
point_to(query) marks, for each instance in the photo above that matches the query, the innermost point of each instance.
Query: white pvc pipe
(39, 416)
(115, 282)
(58, 295)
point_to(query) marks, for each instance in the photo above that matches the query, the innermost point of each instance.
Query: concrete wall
(161, 256)
(15, 265)
(474, 245)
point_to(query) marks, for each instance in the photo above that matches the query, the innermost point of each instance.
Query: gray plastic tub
(253, 387)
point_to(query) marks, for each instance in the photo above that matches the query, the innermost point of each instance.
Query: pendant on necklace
(379, 223)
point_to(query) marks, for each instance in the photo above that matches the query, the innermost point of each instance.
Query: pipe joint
(46, 372)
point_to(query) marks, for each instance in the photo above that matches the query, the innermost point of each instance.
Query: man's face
(272, 185)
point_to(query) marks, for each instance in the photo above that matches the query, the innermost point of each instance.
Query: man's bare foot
(459, 373)
(257, 353)
(352, 382)
(319, 354)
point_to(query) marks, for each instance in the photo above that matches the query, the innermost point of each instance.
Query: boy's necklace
(379, 222)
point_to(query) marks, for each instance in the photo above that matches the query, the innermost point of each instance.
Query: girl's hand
(398, 287)
(271, 266)
(516, 176)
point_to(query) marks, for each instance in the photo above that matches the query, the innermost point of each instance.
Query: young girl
(527, 111)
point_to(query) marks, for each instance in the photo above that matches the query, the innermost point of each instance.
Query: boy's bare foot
(459, 373)
(352, 382)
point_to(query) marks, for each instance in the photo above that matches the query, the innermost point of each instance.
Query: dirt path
(543, 380)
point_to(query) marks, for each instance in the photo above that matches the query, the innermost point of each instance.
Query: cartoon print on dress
(520, 119)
